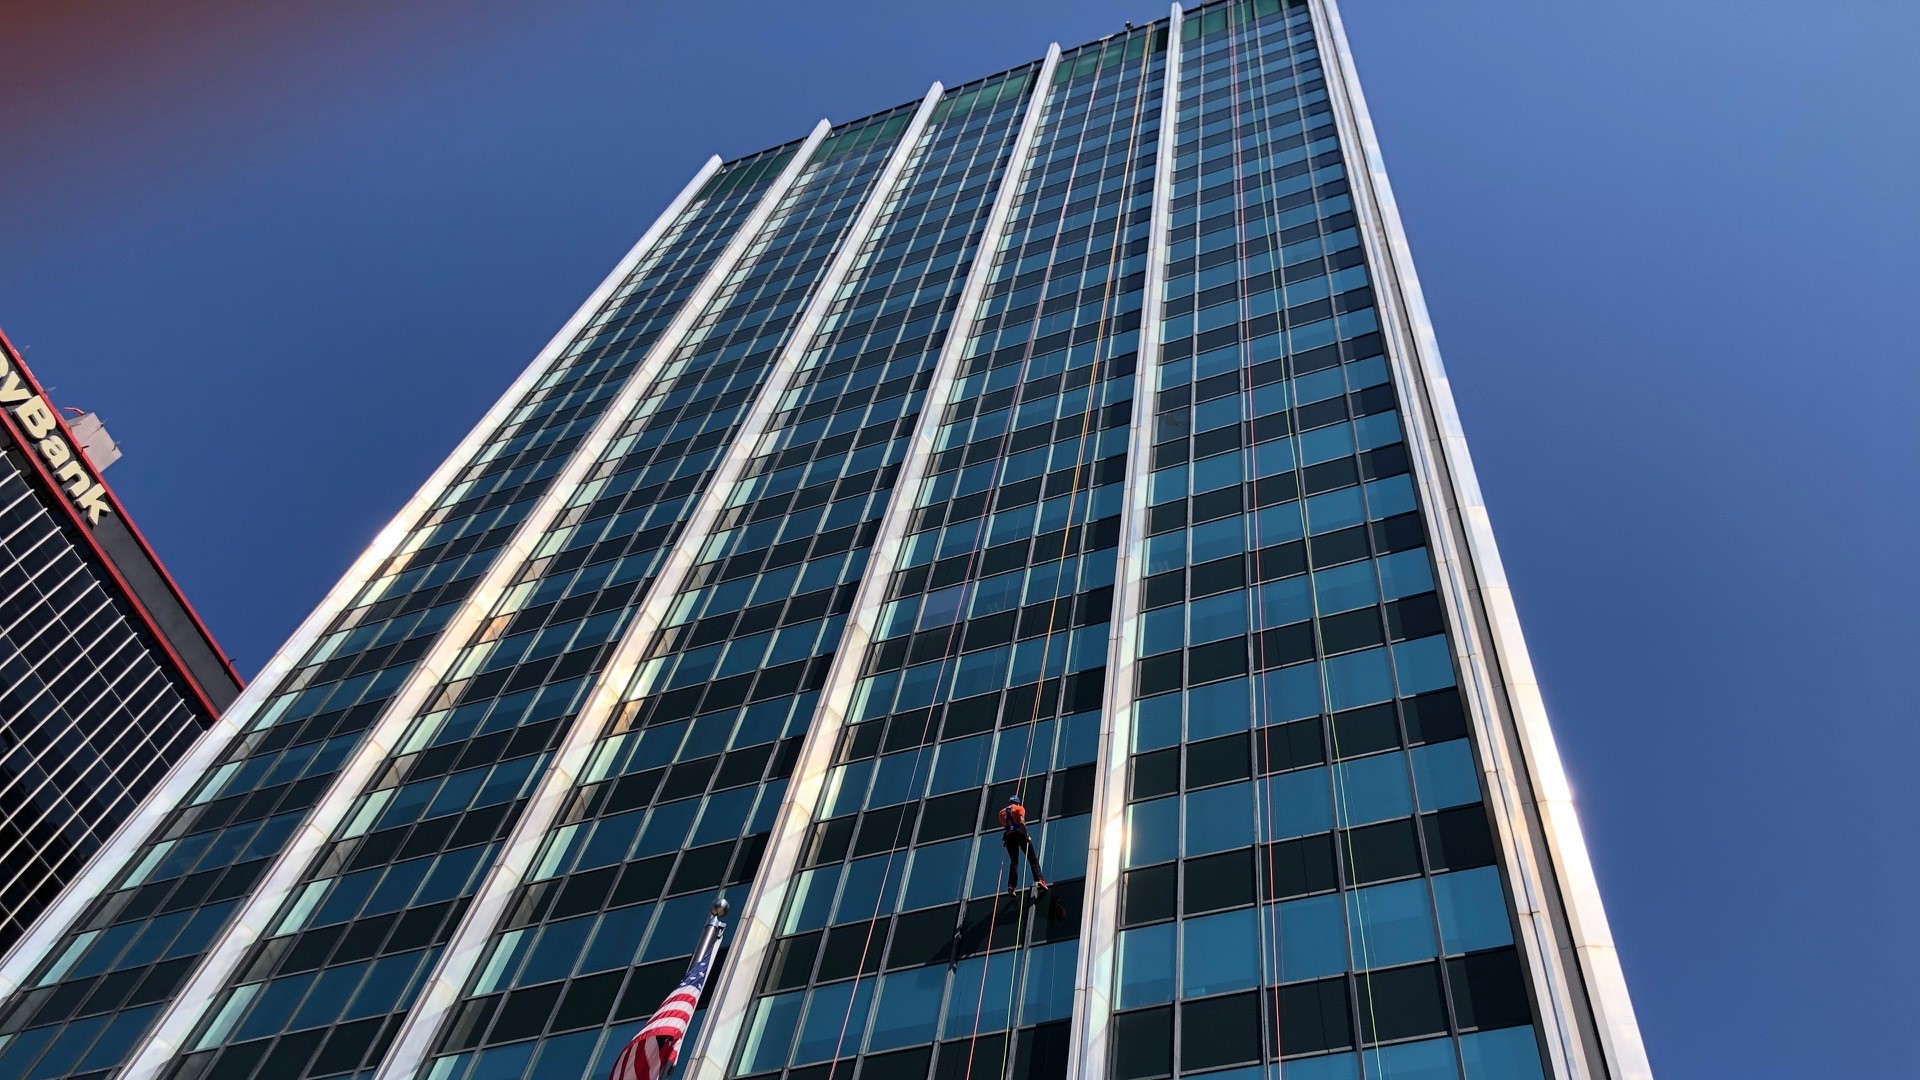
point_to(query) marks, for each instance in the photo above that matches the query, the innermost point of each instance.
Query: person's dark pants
(1017, 842)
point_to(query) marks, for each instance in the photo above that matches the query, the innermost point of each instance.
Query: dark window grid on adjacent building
(645, 862)
(90, 710)
(84, 640)
(111, 784)
(883, 794)
(53, 819)
(94, 663)
(54, 827)
(73, 767)
(361, 691)
(1210, 889)
(85, 690)
(450, 807)
(48, 812)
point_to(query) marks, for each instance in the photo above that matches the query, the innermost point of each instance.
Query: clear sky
(290, 252)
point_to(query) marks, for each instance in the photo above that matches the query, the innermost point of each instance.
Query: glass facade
(1062, 435)
(679, 795)
(984, 674)
(1308, 869)
(106, 980)
(339, 969)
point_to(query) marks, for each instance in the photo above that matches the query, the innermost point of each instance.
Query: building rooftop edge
(215, 696)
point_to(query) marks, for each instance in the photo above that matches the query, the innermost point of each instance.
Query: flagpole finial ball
(719, 909)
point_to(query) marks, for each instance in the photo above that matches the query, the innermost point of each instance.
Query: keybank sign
(42, 428)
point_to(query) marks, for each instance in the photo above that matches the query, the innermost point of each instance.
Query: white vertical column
(435, 1007)
(291, 868)
(1587, 1018)
(111, 861)
(1091, 1039)
(733, 988)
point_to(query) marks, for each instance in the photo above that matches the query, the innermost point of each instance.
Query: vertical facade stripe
(112, 859)
(1593, 1031)
(442, 993)
(1093, 984)
(263, 905)
(754, 928)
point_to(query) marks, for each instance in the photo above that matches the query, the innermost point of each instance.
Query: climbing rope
(1342, 804)
(1266, 917)
(1084, 457)
(946, 667)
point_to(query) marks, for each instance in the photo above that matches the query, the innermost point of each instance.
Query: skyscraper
(1075, 433)
(106, 675)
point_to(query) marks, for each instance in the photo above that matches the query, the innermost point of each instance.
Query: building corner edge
(1544, 848)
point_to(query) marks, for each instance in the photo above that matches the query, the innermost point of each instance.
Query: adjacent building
(106, 675)
(1076, 432)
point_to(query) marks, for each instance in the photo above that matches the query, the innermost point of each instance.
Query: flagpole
(716, 926)
(709, 939)
(653, 1051)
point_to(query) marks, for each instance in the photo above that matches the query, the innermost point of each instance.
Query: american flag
(657, 1047)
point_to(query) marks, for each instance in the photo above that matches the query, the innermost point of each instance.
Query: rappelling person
(1013, 835)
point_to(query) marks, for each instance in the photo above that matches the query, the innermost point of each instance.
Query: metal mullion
(291, 866)
(85, 744)
(44, 597)
(26, 492)
(59, 626)
(759, 916)
(420, 1034)
(115, 856)
(1544, 856)
(24, 525)
(1091, 1038)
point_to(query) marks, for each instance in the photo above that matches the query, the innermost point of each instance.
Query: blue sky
(291, 255)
